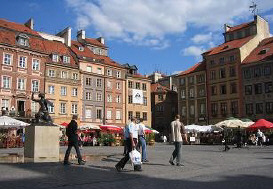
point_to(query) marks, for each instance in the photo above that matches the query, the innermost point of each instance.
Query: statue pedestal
(42, 143)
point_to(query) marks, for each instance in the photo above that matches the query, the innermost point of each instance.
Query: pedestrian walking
(142, 140)
(239, 137)
(177, 133)
(131, 135)
(225, 138)
(260, 137)
(71, 133)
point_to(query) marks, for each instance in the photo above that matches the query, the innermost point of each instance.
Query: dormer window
(23, 40)
(81, 49)
(55, 57)
(263, 51)
(66, 59)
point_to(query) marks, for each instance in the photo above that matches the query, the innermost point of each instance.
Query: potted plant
(151, 139)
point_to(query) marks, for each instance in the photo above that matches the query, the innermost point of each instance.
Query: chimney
(80, 35)
(30, 24)
(101, 40)
(66, 34)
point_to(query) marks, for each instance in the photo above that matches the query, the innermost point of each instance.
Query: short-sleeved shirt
(176, 129)
(141, 129)
(133, 129)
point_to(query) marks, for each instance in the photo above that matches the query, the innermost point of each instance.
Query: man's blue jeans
(142, 142)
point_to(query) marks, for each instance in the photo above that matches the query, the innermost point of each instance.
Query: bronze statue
(42, 115)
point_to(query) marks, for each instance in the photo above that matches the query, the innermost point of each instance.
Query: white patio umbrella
(90, 126)
(8, 122)
(231, 123)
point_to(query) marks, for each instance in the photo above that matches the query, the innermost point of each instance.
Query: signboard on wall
(137, 96)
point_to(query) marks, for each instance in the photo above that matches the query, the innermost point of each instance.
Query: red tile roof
(228, 46)
(156, 87)
(197, 67)
(94, 42)
(256, 55)
(18, 27)
(85, 53)
(241, 26)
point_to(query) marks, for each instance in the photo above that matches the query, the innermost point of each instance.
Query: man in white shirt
(142, 140)
(131, 135)
(260, 137)
(177, 131)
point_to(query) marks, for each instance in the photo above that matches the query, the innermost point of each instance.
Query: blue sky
(155, 35)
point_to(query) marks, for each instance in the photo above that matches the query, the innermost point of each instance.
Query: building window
(268, 87)
(259, 108)
(213, 90)
(5, 103)
(247, 74)
(99, 114)
(130, 99)
(99, 83)
(191, 93)
(201, 92)
(234, 108)
(109, 98)
(74, 108)
(212, 75)
(183, 96)
(233, 88)
(109, 72)
(232, 71)
(214, 109)
(21, 84)
(74, 92)
(55, 58)
(258, 88)
(63, 108)
(200, 78)
(212, 62)
(89, 69)
(99, 97)
(184, 112)
(35, 86)
(34, 107)
(99, 71)
(88, 96)
(35, 64)
(202, 109)
(118, 86)
(137, 85)
(138, 115)
(249, 109)
(7, 59)
(118, 74)
(51, 89)
(51, 73)
(182, 81)
(222, 73)
(269, 107)
(64, 74)
(130, 84)
(109, 85)
(109, 114)
(192, 110)
(88, 113)
(81, 48)
(118, 115)
(267, 70)
(66, 59)
(22, 61)
(222, 60)
(118, 99)
(160, 97)
(63, 91)
(231, 58)
(51, 109)
(191, 80)
(6, 82)
(23, 40)
(130, 115)
(144, 116)
(75, 76)
(223, 108)
(257, 72)
(160, 108)
(145, 101)
(248, 89)
(88, 81)
(144, 86)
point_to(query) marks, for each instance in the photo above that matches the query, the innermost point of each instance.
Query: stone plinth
(42, 143)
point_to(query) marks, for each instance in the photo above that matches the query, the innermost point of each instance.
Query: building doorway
(21, 108)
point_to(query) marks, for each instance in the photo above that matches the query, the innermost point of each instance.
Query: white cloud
(269, 17)
(193, 51)
(202, 38)
(148, 22)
